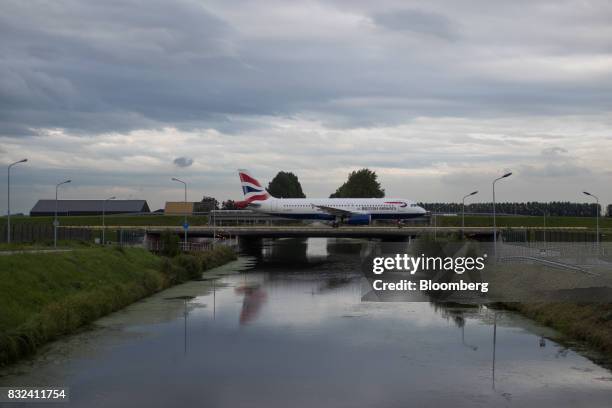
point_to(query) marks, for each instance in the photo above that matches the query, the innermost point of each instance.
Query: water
(287, 328)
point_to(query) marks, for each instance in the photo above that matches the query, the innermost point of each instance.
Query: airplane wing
(340, 212)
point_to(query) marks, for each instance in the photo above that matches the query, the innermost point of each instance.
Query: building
(89, 207)
(178, 208)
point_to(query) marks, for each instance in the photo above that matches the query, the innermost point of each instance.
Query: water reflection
(254, 298)
(278, 335)
(494, 348)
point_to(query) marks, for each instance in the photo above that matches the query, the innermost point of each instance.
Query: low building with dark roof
(89, 207)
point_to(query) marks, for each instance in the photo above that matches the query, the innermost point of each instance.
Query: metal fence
(197, 246)
(33, 232)
(567, 247)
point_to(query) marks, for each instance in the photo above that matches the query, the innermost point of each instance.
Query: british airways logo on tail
(245, 178)
(248, 189)
(251, 188)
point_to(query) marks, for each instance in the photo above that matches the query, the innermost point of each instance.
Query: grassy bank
(525, 286)
(588, 323)
(44, 296)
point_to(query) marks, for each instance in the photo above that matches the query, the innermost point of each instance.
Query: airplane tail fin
(251, 188)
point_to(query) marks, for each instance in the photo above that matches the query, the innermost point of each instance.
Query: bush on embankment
(184, 267)
(46, 295)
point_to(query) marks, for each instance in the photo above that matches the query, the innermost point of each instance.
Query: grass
(524, 221)
(115, 220)
(590, 323)
(46, 245)
(44, 296)
(443, 221)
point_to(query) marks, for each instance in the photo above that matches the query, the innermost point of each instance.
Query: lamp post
(185, 223)
(494, 221)
(8, 200)
(596, 215)
(435, 217)
(463, 210)
(544, 213)
(213, 212)
(55, 221)
(103, 222)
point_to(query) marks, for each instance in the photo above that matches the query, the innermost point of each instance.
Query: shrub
(216, 257)
(190, 267)
(170, 244)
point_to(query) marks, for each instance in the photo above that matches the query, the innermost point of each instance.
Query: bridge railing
(191, 246)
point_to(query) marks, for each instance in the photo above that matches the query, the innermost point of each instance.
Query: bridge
(307, 231)
(304, 231)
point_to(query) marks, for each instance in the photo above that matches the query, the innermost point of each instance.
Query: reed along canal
(284, 326)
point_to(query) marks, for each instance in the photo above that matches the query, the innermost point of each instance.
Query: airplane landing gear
(336, 222)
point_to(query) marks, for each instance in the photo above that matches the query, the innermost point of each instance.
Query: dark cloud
(92, 67)
(554, 170)
(430, 94)
(183, 162)
(553, 151)
(418, 21)
(556, 162)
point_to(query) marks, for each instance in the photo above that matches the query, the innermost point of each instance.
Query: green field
(114, 220)
(198, 220)
(517, 221)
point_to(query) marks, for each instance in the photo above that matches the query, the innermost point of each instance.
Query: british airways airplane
(355, 211)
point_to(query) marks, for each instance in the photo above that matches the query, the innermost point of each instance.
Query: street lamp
(103, 223)
(185, 223)
(55, 221)
(597, 215)
(463, 209)
(435, 217)
(8, 199)
(494, 221)
(544, 213)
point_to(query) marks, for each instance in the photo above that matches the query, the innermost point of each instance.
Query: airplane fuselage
(351, 210)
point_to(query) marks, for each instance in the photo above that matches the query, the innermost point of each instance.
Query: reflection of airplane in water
(254, 298)
(338, 210)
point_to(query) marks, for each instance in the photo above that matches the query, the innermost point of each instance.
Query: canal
(284, 326)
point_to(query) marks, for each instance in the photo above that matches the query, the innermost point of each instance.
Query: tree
(533, 208)
(285, 185)
(206, 205)
(360, 184)
(229, 205)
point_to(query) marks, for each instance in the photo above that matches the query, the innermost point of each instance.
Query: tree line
(554, 208)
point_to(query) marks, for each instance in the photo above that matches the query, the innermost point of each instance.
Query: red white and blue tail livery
(337, 210)
(251, 188)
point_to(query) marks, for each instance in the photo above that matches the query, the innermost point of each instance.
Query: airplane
(352, 211)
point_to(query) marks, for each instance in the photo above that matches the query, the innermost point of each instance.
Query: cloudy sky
(438, 97)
